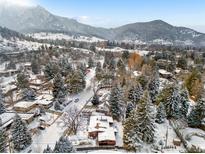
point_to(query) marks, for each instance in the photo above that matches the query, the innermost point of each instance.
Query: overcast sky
(113, 13)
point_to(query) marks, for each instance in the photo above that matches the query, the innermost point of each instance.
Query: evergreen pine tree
(95, 100)
(129, 134)
(197, 114)
(98, 71)
(47, 150)
(57, 105)
(65, 67)
(117, 104)
(76, 82)
(143, 80)
(29, 94)
(90, 62)
(50, 70)
(130, 107)
(172, 105)
(139, 126)
(63, 146)
(21, 138)
(153, 86)
(144, 126)
(184, 103)
(125, 55)
(135, 93)
(112, 65)
(22, 81)
(161, 113)
(2, 140)
(1, 95)
(58, 87)
(83, 68)
(2, 108)
(121, 66)
(35, 66)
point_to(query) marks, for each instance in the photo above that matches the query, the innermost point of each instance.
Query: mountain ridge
(38, 19)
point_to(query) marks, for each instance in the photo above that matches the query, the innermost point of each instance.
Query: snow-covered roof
(7, 118)
(24, 104)
(99, 123)
(45, 96)
(107, 135)
(8, 88)
(136, 73)
(44, 99)
(162, 71)
(177, 70)
(27, 64)
(25, 116)
(43, 102)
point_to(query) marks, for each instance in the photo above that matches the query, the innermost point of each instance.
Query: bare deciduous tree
(72, 120)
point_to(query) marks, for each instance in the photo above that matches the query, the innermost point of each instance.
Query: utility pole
(166, 137)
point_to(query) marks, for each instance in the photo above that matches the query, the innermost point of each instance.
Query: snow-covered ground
(161, 131)
(12, 45)
(118, 49)
(60, 36)
(106, 151)
(48, 136)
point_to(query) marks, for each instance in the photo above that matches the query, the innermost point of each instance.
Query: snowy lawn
(161, 130)
(48, 136)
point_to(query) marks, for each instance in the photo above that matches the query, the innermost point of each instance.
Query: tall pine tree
(59, 90)
(21, 138)
(161, 113)
(173, 104)
(2, 108)
(153, 86)
(117, 103)
(135, 93)
(2, 140)
(129, 134)
(139, 126)
(144, 127)
(130, 107)
(197, 114)
(184, 103)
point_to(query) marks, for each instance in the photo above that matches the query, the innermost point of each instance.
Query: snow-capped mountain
(37, 19)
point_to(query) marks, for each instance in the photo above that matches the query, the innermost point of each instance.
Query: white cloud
(19, 2)
(199, 28)
(93, 21)
(82, 19)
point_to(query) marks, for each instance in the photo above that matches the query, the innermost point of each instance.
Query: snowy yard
(161, 131)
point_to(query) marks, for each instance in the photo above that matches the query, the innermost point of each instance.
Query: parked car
(69, 102)
(76, 100)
